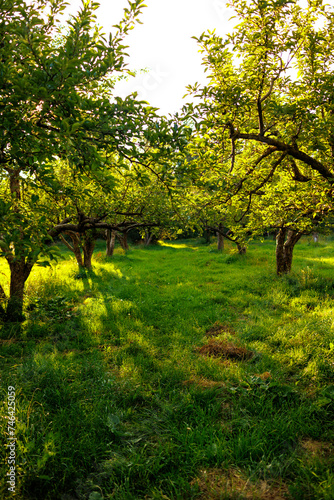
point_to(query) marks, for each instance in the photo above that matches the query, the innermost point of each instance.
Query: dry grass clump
(204, 383)
(215, 484)
(318, 449)
(218, 328)
(224, 349)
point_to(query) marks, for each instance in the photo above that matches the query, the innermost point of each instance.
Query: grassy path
(175, 372)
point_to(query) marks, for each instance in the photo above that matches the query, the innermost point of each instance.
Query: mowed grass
(131, 382)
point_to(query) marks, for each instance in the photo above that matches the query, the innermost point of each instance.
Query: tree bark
(19, 272)
(3, 298)
(2, 294)
(148, 238)
(75, 247)
(207, 236)
(88, 249)
(285, 243)
(111, 239)
(241, 248)
(123, 240)
(220, 237)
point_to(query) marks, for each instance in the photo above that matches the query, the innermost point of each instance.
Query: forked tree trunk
(123, 240)
(220, 237)
(285, 243)
(148, 238)
(110, 245)
(78, 247)
(19, 272)
(75, 247)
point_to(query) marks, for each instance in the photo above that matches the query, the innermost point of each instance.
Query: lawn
(174, 372)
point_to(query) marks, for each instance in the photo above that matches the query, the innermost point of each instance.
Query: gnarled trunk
(19, 272)
(88, 249)
(81, 244)
(20, 265)
(285, 243)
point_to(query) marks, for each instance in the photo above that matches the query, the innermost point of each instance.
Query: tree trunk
(241, 248)
(207, 236)
(110, 246)
(88, 249)
(19, 272)
(148, 238)
(220, 237)
(75, 247)
(285, 243)
(123, 239)
(3, 298)
(20, 266)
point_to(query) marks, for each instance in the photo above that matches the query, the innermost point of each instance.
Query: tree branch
(289, 150)
(298, 176)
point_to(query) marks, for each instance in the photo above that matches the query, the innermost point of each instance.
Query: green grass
(115, 401)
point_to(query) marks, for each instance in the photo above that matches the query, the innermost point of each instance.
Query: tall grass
(116, 398)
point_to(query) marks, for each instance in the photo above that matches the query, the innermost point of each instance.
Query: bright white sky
(163, 45)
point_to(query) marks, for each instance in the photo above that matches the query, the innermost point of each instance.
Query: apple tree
(268, 108)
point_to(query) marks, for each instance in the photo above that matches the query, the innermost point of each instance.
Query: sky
(163, 46)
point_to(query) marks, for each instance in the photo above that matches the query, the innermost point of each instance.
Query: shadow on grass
(114, 397)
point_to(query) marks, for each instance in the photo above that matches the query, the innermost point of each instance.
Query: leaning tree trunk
(19, 272)
(220, 237)
(240, 246)
(110, 245)
(123, 240)
(285, 243)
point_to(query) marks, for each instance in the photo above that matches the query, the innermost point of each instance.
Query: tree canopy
(56, 103)
(265, 121)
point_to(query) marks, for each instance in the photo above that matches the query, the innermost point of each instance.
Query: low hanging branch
(95, 223)
(229, 236)
(289, 149)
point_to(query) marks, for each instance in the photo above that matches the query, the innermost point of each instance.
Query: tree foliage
(266, 118)
(57, 103)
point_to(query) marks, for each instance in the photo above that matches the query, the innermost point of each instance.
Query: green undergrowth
(115, 398)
